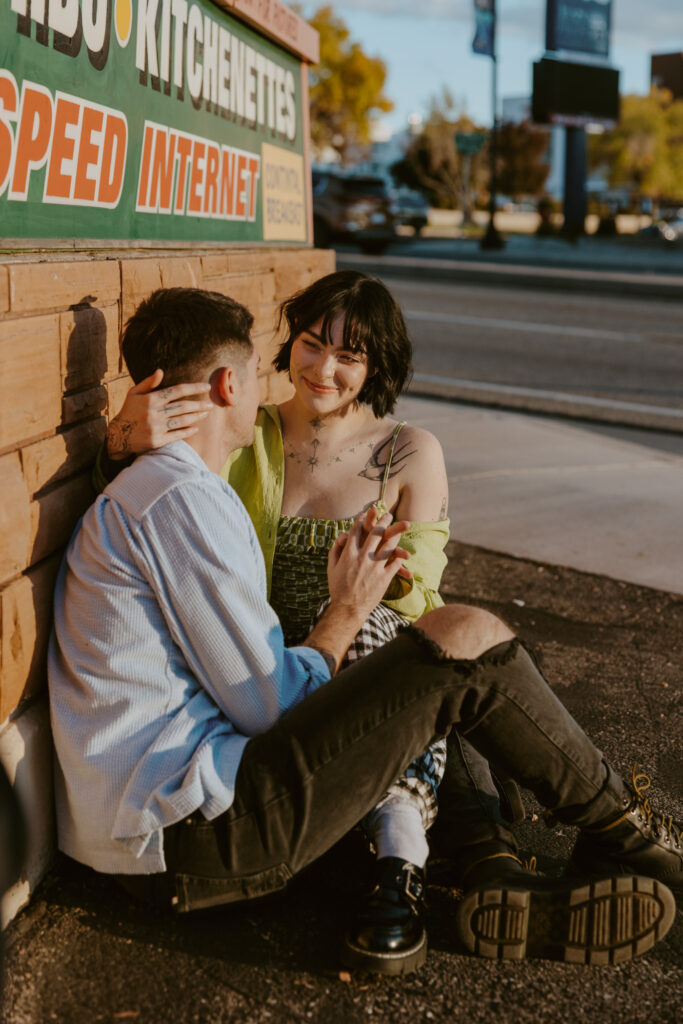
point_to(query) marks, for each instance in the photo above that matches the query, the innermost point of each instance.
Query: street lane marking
(606, 467)
(556, 396)
(523, 325)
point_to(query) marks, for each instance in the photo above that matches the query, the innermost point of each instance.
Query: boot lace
(659, 823)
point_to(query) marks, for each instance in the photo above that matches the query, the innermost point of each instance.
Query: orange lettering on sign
(184, 150)
(241, 189)
(213, 156)
(194, 203)
(228, 181)
(163, 166)
(85, 185)
(113, 159)
(58, 184)
(253, 171)
(33, 136)
(9, 101)
(144, 166)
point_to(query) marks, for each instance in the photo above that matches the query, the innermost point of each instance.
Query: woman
(318, 460)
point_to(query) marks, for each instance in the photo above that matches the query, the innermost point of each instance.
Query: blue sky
(427, 45)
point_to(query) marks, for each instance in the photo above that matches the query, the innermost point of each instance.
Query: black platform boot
(388, 935)
(639, 840)
(509, 913)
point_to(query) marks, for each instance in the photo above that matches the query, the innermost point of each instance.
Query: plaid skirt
(420, 781)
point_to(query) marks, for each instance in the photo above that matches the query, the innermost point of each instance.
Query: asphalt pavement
(84, 952)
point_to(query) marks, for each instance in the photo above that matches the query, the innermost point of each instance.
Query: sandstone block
(26, 753)
(25, 622)
(214, 265)
(39, 286)
(89, 345)
(30, 392)
(55, 514)
(82, 405)
(181, 273)
(139, 277)
(15, 530)
(117, 391)
(63, 455)
(4, 289)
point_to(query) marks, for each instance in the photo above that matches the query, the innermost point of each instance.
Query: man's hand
(150, 419)
(360, 567)
(362, 563)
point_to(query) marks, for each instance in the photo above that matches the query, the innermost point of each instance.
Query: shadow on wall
(57, 473)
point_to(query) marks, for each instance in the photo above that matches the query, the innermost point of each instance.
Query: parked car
(410, 208)
(351, 207)
(671, 229)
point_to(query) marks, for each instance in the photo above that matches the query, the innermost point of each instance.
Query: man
(202, 762)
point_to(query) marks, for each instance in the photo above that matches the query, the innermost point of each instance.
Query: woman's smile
(320, 389)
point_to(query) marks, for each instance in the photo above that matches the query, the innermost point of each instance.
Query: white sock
(396, 830)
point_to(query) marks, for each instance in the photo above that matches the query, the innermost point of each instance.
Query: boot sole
(605, 922)
(404, 961)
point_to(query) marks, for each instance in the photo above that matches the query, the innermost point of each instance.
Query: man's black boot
(388, 935)
(639, 840)
(509, 913)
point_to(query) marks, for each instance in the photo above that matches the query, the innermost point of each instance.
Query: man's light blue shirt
(165, 659)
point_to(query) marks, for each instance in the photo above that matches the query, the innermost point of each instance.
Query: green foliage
(522, 167)
(346, 89)
(432, 163)
(645, 151)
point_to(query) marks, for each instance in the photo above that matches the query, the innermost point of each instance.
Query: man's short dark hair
(373, 324)
(181, 330)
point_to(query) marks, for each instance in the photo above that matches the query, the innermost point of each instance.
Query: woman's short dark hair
(180, 331)
(373, 325)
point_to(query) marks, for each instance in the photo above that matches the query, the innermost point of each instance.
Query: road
(616, 359)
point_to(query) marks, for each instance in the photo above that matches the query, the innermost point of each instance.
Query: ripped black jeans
(308, 780)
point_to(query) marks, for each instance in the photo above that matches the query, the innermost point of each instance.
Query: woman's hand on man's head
(150, 418)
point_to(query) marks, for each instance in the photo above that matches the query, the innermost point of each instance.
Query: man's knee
(462, 631)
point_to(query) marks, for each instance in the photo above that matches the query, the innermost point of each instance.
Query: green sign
(469, 142)
(159, 120)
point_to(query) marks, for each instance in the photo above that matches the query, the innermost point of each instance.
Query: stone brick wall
(61, 380)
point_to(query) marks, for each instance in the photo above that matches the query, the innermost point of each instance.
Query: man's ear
(223, 386)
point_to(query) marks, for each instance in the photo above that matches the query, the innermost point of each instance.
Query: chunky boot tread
(605, 922)
(403, 961)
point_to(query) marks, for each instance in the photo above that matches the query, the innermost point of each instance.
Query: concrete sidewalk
(599, 499)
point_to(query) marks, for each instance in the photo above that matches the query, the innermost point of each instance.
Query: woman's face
(326, 377)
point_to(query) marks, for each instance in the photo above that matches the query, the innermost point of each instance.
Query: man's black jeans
(308, 780)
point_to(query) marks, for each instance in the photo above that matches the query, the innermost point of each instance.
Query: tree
(645, 151)
(346, 89)
(432, 163)
(522, 166)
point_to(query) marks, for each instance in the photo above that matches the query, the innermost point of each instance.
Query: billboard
(581, 26)
(575, 95)
(155, 120)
